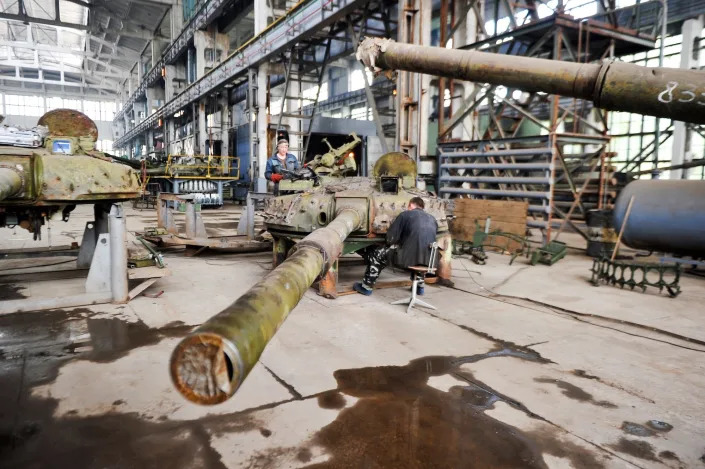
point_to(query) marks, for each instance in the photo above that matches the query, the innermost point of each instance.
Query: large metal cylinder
(10, 183)
(666, 216)
(211, 363)
(677, 94)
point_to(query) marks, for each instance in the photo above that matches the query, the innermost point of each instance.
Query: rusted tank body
(311, 230)
(36, 183)
(677, 94)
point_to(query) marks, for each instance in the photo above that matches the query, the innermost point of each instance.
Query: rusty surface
(69, 123)
(396, 164)
(79, 178)
(677, 94)
(209, 365)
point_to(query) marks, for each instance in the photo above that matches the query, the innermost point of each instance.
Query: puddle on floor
(574, 392)
(33, 347)
(9, 291)
(637, 448)
(400, 421)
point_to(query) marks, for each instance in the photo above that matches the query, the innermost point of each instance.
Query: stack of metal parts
(204, 192)
(533, 169)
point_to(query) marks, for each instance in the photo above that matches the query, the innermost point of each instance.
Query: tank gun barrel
(10, 183)
(210, 364)
(677, 94)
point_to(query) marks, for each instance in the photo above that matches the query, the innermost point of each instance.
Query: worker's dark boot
(362, 289)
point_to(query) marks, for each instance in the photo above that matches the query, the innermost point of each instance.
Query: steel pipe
(677, 94)
(10, 183)
(210, 364)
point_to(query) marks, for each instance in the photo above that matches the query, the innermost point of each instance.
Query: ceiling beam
(31, 19)
(66, 50)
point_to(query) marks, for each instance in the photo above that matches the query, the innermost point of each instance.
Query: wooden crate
(505, 215)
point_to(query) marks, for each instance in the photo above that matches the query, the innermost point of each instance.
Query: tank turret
(63, 170)
(311, 230)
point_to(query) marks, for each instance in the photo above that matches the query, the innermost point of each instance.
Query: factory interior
(352, 234)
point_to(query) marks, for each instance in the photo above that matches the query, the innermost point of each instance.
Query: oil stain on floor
(33, 347)
(399, 420)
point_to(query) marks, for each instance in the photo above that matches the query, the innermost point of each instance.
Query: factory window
(311, 93)
(55, 103)
(92, 109)
(24, 105)
(104, 145)
(359, 112)
(275, 106)
(73, 104)
(107, 111)
(357, 81)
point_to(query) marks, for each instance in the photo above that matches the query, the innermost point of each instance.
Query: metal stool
(420, 272)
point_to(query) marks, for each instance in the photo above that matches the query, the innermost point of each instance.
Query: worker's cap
(282, 141)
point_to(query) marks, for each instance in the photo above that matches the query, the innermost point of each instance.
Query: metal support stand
(246, 224)
(413, 300)
(107, 277)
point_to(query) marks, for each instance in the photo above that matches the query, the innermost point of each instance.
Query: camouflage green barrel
(210, 364)
(10, 183)
(673, 93)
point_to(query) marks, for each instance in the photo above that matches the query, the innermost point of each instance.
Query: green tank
(335, 163)
(312, 230)
(53, 167)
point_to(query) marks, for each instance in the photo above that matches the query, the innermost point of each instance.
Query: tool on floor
(551, 253)
(637, 274)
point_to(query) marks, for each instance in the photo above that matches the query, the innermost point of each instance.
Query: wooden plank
(464, 219)
(466, 232)
(147, 272)
(141, 287)
(506, 216)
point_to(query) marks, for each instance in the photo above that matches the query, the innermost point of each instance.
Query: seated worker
(281, 159)
(408, 244)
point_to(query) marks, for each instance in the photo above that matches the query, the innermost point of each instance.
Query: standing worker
(408, 244)
(282, 159)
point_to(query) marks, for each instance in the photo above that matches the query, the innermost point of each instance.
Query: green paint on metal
(242, 331)
(10, 182)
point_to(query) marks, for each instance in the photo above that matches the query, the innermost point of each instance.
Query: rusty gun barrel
(10, 183)
(677, 94)
(210, 364)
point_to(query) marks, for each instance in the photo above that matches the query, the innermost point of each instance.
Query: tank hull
(666, 216)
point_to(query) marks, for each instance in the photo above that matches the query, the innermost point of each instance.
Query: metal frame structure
(299, 24)
(549, 150)
(57, 44)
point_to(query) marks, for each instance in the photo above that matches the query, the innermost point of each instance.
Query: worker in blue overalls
(282, 159)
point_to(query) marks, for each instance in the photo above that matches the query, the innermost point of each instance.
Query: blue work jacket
(274, 165)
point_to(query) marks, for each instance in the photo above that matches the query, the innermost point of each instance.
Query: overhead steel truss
(297, 25)
(205, 15)
(547, 150)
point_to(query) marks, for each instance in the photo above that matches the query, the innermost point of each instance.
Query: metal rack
(548, 150)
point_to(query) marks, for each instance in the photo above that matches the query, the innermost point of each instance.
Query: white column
(262, 118)
(202, 130)
(224, 123)
(691, 30)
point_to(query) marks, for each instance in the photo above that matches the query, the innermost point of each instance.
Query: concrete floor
(520, 366)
